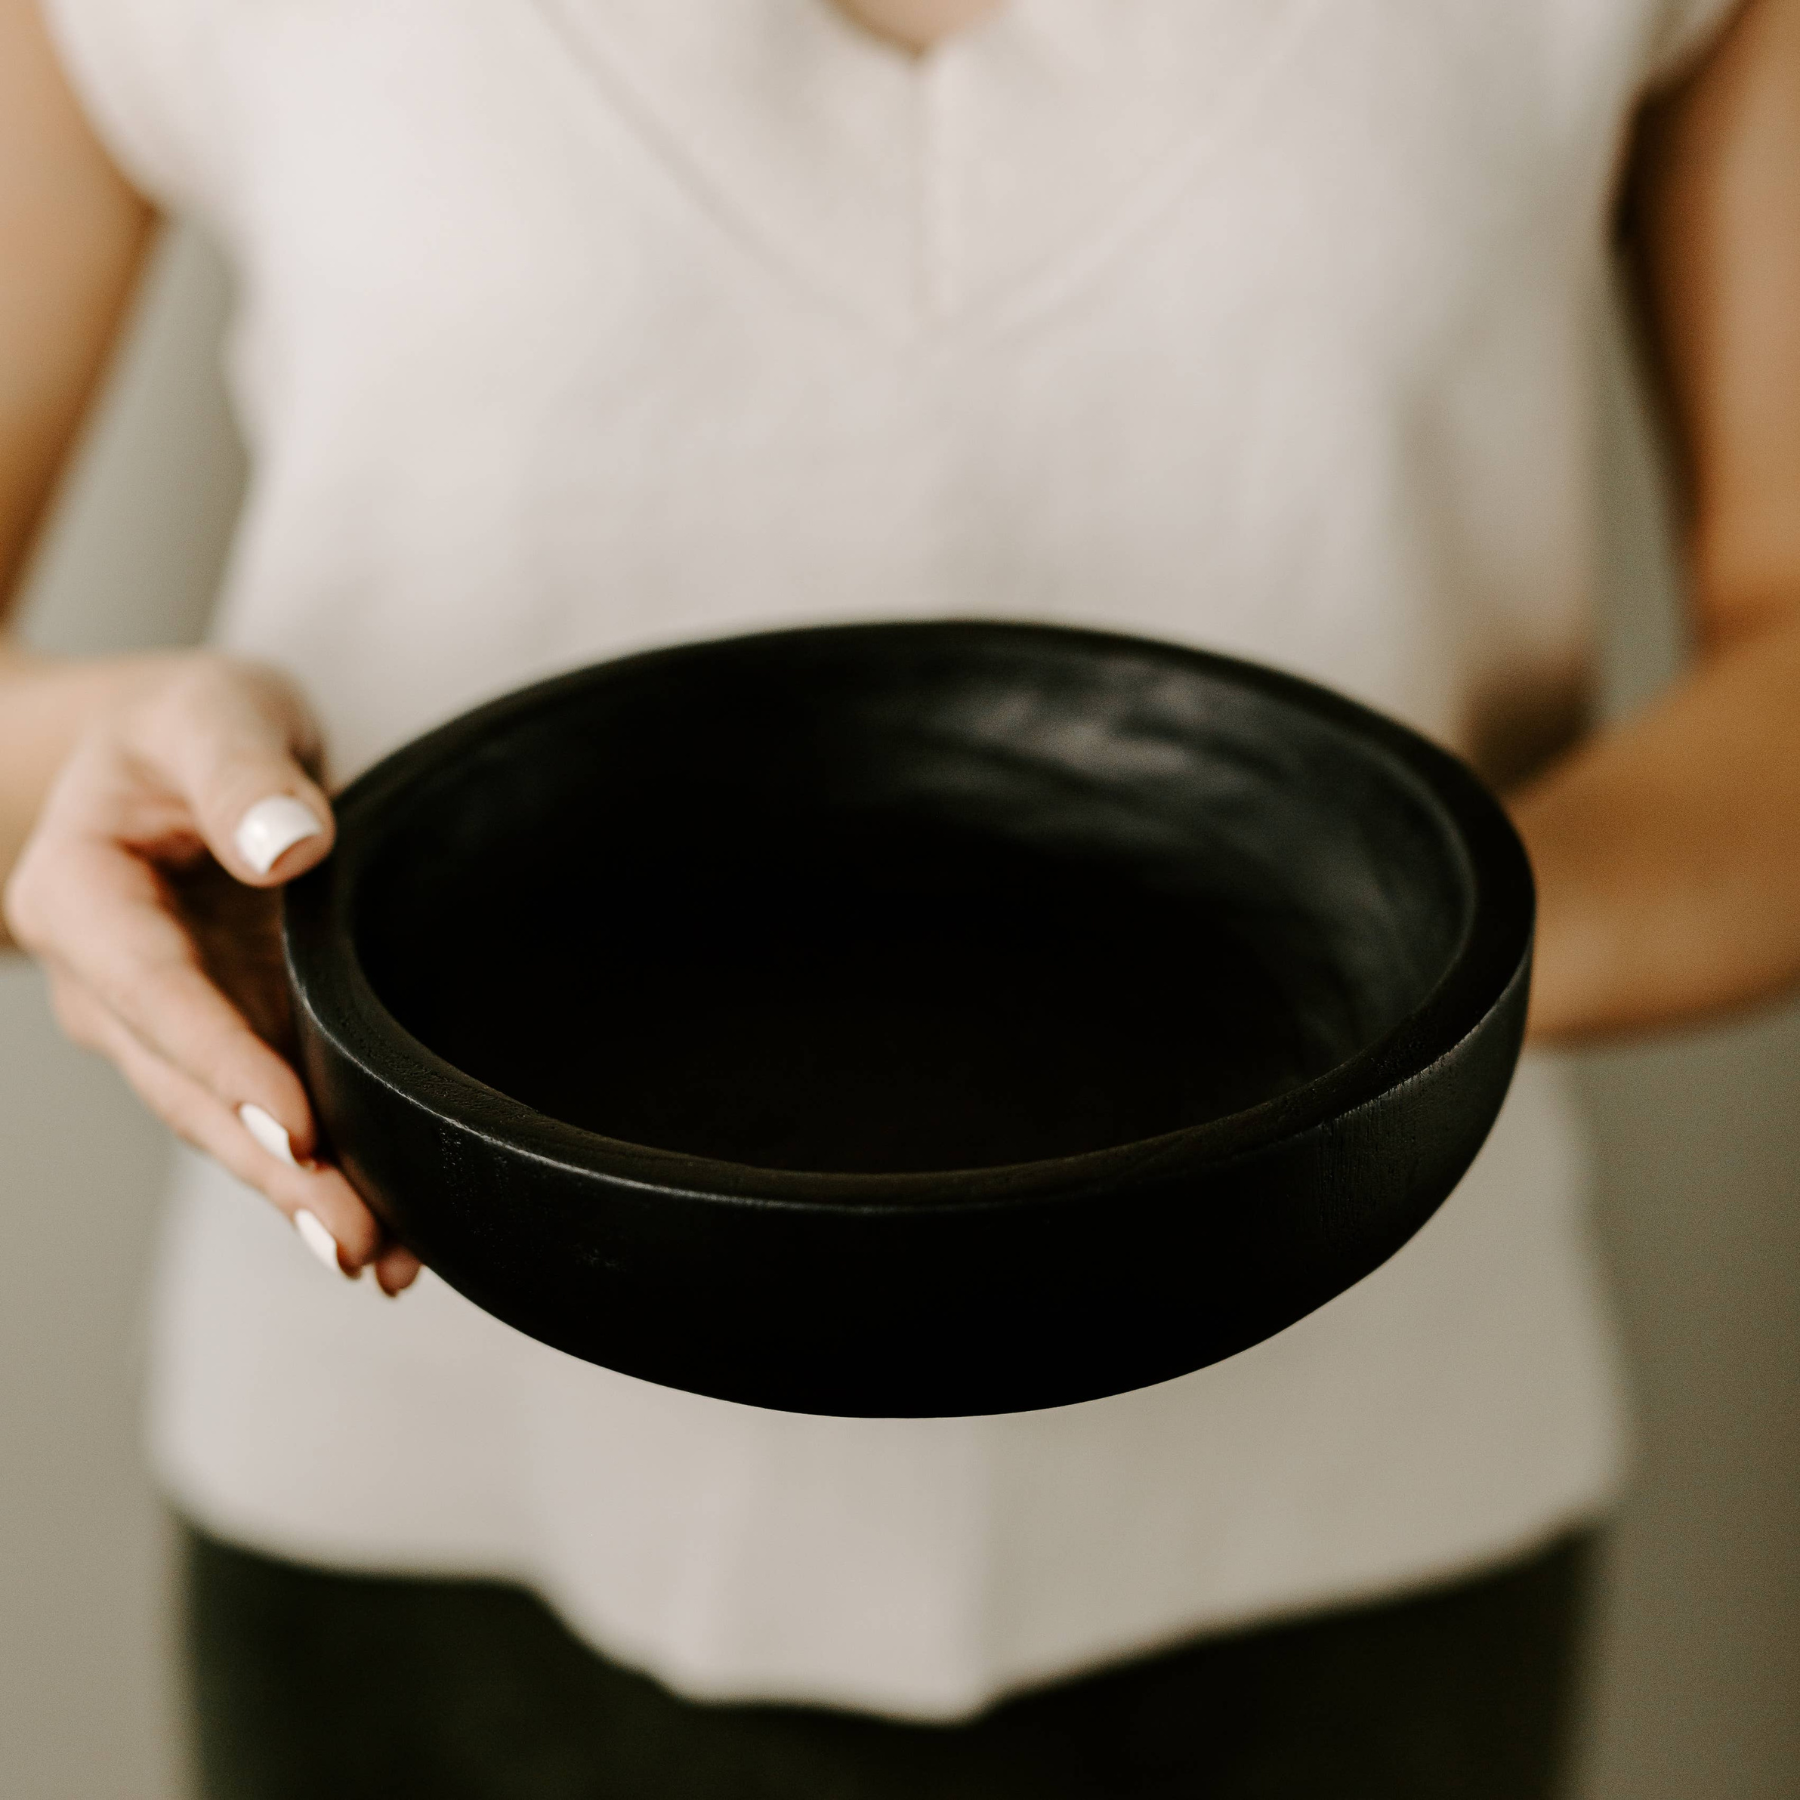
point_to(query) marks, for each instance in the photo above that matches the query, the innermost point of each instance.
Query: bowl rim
(329, 987)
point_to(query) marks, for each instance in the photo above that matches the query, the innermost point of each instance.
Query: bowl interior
(872, 904)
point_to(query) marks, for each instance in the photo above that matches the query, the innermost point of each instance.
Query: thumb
(280, 822)
(236, 743)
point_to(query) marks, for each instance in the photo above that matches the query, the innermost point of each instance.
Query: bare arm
(1668, 851)
(72, 240)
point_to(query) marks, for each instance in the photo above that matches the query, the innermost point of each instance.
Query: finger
(236, 742)
(396, 1269)
(316, 1192)
(97, 916)
(78, 1015)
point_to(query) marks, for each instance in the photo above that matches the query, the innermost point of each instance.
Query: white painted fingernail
(268, 1132)
(272, 826)
(318, 1240)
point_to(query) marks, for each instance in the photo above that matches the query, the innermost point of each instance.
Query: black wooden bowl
(911, 1019)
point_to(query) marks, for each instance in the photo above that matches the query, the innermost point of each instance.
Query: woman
(587, 324)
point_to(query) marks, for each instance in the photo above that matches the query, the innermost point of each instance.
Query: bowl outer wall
(1012, 1289)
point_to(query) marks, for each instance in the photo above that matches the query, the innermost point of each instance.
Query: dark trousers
(309, 1685)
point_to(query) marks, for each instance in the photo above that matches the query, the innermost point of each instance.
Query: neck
(917, 25)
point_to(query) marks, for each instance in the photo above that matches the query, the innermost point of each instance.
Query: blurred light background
(1695, 1685)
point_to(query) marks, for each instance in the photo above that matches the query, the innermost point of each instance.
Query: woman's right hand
(148, 888)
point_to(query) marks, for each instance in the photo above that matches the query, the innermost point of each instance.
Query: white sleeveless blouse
(574, 326)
